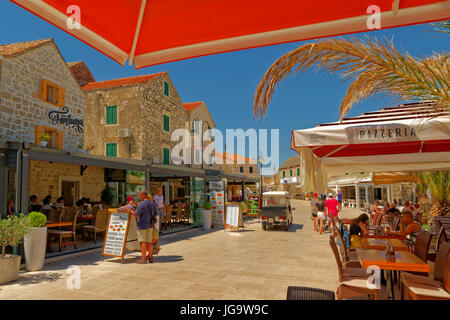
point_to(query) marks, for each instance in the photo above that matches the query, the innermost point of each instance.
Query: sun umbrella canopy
(410, 137)
(394, 177)
(150, 32)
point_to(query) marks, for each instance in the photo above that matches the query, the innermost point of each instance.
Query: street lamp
(260, 161)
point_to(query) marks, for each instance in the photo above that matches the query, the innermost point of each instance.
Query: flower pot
(43, 143)
(206, 215)
(35, 244)
(9, 268)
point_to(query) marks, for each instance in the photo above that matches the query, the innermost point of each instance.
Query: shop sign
(63, 117)
(116, 234)
(289, 180)
(253, 205)
(381, 133)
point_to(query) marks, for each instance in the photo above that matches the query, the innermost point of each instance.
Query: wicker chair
(66, 233)
(305, 293)
(167, 219)
(80, 224)
(54, 215)
(99, 226)
(350, 283)
(424, 288)
(348, 258)
(186, 213)
(179, 216)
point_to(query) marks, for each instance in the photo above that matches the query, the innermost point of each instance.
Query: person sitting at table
(80, 202)
(407, 207)
(386, 207)
(375, 209)
(46, 204)
(358, 226)
(408, 227)
(394, 204)
(34, 205)
(59, 203)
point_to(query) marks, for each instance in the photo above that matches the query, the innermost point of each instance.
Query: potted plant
(44, 139)
(35, 241)
(206, 215)
(197, 215)
(12, 231)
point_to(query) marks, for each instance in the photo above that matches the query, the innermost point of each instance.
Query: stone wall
(44, 179)
(21, 108)
(140, 109)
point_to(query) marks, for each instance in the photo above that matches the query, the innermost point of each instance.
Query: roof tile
(120, 82)
(17, 48)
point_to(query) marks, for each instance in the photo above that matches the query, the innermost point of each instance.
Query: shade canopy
(410, 137)
(394, 177)
(150, 32)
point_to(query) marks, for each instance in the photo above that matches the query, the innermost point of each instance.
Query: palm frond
(442, 26)
(438, 183)
(374, 66)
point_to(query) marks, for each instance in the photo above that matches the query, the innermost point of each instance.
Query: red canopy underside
(373, 149)
(169, 24)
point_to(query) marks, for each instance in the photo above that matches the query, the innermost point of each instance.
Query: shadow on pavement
(167, 259)
(295, 226)
(41, 277)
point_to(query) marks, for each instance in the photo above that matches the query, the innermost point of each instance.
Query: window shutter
(114, 114)
(38, 132)
(166, 123)
(60, 140)
(61, 96)
(298, 171)
(44, 89)
(166, 156)
(166, 88)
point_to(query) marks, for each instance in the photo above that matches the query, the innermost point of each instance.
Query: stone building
(289, 176)
(133, 117)
(39, 94)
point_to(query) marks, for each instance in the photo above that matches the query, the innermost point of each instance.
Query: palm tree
(376, 67)
(439, 185)
(442, 26)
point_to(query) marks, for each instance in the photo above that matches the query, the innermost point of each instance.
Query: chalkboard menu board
(233, 216)
(116, 234)
(253, 205)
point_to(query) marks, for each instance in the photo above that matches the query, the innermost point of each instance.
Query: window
(241, 169)
(166, 156)
(111, 115)
(196, 126)
(284, 174)
(290, 171)
(111, 149)
(56, 140)
(166, 88)
(250, 169)
(52, 93)
(166, 123)
(298, 171)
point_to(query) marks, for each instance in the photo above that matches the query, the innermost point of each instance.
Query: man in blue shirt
(145, 214)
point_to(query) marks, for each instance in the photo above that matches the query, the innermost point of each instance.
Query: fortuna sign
(65, 118)
(383, 133)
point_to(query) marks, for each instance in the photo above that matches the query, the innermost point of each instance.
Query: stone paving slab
(197, 264)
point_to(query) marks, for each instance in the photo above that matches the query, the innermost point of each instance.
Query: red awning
(150, 32)
(410, 137)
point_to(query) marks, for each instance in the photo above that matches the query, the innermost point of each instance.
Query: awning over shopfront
(394, 177)
(407, 138)
(159, 31)
(162, 170)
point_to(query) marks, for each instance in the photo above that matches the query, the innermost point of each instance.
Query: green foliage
(44, 137)
(438, 182)
(37, 219)
(107, 196)
(196, 205)
(442, 26)
(12, 231)
(207, 206)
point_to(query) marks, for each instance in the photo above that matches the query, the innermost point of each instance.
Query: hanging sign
(253, 205)
(233, 216)
(116, 234)
(63, 117)
(217, 197)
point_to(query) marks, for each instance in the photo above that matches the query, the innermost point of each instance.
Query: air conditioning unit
(124, 133)
(156, 160)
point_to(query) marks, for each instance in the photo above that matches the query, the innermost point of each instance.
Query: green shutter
(298, 171)
(166, 88)
(166, 123)
(284, 174)
(111, 149)
(166, 156)
(290, 172)
(111, 115)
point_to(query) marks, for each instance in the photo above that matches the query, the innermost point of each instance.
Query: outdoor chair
(179, 216)
(441, 237)
(439, 271)
(186, 213)
(425, 288)
(99, 226)
(167, 219)
(54, 215)
(348, 258)
(351, 283)
(305, 293)
(395, 224)
(422, 245)
(67, 234)
(80, 224)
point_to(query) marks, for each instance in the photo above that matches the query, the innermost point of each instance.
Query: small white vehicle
(276, 210)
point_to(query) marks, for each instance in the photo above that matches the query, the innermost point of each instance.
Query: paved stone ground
(252, 264)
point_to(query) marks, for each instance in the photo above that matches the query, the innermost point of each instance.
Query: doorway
(70, 192)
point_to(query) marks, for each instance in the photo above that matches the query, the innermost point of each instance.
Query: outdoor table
(404, 261)
(380, 244)
(53, 224)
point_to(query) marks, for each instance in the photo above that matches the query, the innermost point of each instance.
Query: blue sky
(226, 82)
